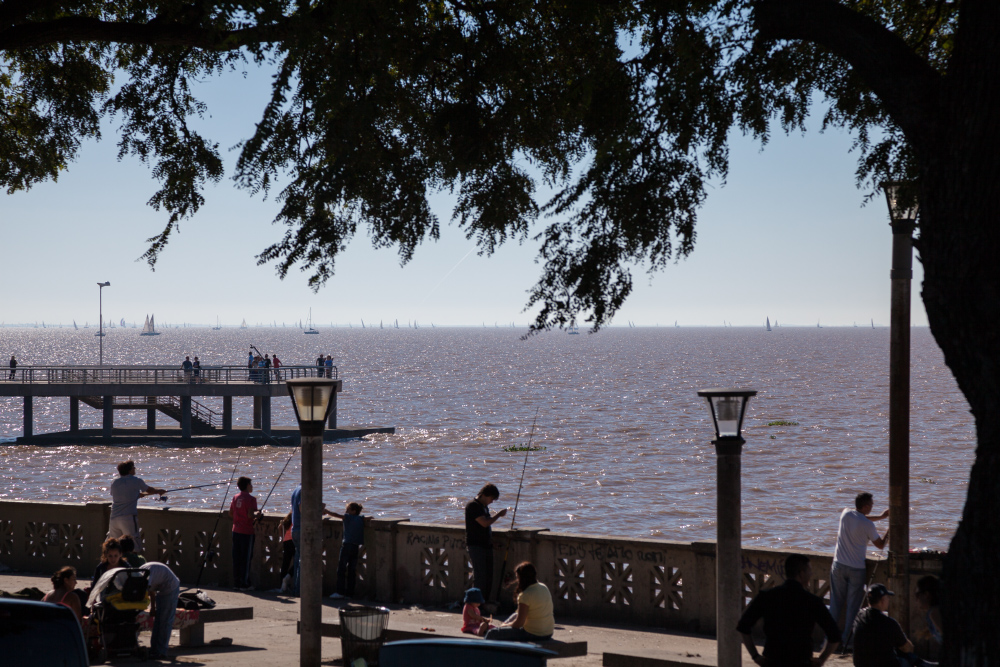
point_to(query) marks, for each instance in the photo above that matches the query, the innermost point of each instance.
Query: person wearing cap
(790, 614)
(847, 576)
(878, 639)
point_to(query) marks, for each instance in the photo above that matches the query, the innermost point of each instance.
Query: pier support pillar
(256, 411)
(185, 417)
(265, 414)
(29, 417)
(227, 413)
(74, 414)
(332, 421)
(151, 415)
(109, 416)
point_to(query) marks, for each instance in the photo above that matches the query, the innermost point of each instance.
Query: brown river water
(626, 441)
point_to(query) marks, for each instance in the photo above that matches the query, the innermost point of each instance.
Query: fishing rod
(524, 468)
(278, 478)
(185, 488)
(209, 552)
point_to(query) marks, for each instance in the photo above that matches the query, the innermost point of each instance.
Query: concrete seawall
(643, 582)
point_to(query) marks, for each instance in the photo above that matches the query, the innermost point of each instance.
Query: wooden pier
(167, 391)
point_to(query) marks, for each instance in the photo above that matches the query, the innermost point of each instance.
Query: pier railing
(158, 374)
(657, 583)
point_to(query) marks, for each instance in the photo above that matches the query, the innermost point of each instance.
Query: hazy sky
(786, 238)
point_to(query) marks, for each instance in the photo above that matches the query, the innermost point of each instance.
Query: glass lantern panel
(727, 415)
(312, 401)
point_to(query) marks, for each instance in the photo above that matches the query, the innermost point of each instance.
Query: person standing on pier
(320, 362)
(188, 367)
(125, 494)
(329, 365)
(267, 369)
(196, 365)
(276, 362)
(790, 614)
(847, 576)
(13, 367)
(479, 537)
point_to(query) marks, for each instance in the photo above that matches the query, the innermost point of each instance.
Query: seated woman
(63, 587)
(111, 557)
(533, 620)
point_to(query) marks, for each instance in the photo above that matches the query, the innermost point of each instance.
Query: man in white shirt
(847, 576)
(125, 494)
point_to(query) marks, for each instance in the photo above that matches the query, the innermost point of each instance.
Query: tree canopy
(622, 109)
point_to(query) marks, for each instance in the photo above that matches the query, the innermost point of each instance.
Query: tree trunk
(960, 250)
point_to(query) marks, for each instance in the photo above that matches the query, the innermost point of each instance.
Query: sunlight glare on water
(626, 441)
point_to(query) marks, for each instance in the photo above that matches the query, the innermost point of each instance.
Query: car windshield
(40, 638)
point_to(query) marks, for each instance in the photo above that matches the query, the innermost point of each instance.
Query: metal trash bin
(362, 633)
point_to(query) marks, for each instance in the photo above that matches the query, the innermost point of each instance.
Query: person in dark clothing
(878, 639)
(790, 613)
(479, 537)
(13, 367)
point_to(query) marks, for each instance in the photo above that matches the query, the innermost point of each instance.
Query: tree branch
(154, 33)
(907, 85)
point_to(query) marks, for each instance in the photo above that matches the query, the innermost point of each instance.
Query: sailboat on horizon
(217, 326)
(768, 323)
(310, 330)
(149, 328)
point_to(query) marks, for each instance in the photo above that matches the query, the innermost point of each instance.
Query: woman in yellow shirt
(533, 620)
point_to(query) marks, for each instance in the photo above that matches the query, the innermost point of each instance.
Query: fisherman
(790, 614)
(878, 638)
(243, 512)
(479, 537)
(847, 576)
(125, 494)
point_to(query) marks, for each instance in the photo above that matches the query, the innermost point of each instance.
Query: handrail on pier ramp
(159, 374)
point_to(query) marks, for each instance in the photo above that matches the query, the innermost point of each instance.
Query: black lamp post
(903, 210)
(100, 317)
(728, 406)
(312, 402)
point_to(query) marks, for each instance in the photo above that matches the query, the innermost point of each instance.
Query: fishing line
(524, 468)
(450, 271)
(278, 478)
(208, 547)
(864, 603)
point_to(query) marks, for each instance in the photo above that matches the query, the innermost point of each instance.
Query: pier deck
(168, 391)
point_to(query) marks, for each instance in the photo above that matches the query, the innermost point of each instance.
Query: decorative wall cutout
(667, 587)
(570, 584)
(274, 551)
(616, 577)
(201, 537)
(434, 567)
(169, 546)
(63, 540)
(6, 538)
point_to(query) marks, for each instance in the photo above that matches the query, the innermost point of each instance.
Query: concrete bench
(574, 649)
(194, 635)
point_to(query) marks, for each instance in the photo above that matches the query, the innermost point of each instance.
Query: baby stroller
(117, 599)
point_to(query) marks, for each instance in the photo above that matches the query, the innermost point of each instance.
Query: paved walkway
(270, 639)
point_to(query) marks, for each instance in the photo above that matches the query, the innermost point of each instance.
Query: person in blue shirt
(297, 537)
(354, 539)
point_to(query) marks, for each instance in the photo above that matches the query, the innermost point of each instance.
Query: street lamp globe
(902, 201)
(728, 406)
(312, 402)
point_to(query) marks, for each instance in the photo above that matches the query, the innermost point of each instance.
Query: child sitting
(473, 622)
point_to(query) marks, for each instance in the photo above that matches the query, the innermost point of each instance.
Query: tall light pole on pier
(312, 400)
(728, 407)
(100, 316)
(903, 220)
